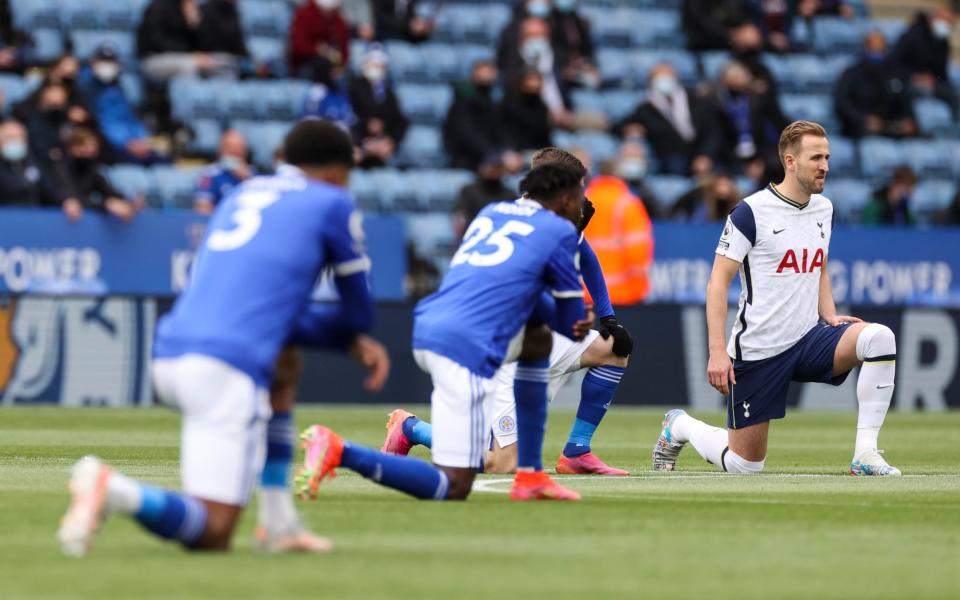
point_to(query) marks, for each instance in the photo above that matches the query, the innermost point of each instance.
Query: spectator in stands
(487, 188)
(381, 124)
(923, 53)
(85, 187)
(526, 118)
(573, 46)
(708, 23)
(531, 49)
(709, 202)
(870, 98)
(890, 205)
(15, 51)
(473, 128)
(676, 122)
(220, 30)
(23, 182)
(750, 125)
(400, 20)
(318, 33)
(359, 14)
(46, 122)
(746, 42)
(127, 135)
(327, 98)
(621, 234)
(218, 179)
(170, 42)
(62, 72)
(631, 166)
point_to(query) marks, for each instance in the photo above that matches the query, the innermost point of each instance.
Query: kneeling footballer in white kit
(787, 327)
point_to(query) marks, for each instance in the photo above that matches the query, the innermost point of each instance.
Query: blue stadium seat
(669, 188)
(934, 116)
(713, 61)
(683, 62)
(836, 34)
(422, 147)
(427, 104)
(82, 14)
(616, 104)
(843, 157)
(612, 27)
(176, 186)
(927, 157)
(601, 146)
(259, 19)
(406, 62)
(807, 73)
(266, 138)
(471, 23)
(196, 98)
(47, 44)
(363, 186)
(809, 107)
(931, 198)
(132, 181)
(616, 67)
(85, 42)
(266, 50)
(848, 196)
(206, 140)
(34, 14)
(432, 236)
(657, 28)
(123, 16)
(437, 189)
(14, 88)
(879, 156)
(239, 100)
(390, 184)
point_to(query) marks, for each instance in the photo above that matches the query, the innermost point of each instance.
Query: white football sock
(123, 494)
(734, 463)
(707, 440)
(276, 511)
(877, 348)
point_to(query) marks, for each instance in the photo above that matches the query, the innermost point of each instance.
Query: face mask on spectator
(875, 57)
(665, 85)
(565, 5)
(231, 163)
(539, 9)
(632, 169)
(374, 73)
(534, 48)
(106, 71)
(941, 29)
(484, 88)
(327, 4)
(14, 151)
(55, 114)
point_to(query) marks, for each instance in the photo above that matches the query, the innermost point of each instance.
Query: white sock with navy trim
(877, 348)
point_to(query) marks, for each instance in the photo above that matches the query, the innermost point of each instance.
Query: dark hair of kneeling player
(557, 187)
(317, 143)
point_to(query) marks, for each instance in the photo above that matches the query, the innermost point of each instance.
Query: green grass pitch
(802, 530)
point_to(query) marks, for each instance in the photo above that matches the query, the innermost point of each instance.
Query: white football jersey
(782, 247)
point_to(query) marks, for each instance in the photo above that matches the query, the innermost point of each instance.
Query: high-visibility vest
(622, 236)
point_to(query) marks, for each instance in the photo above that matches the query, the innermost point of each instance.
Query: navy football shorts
(761, 390)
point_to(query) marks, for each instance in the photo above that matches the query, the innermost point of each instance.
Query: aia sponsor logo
(789, 262)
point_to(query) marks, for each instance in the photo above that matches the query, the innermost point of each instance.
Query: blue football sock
(530, 392)
(276, 467)
(413, 476)
(171, 515)
(596, 393)
(418, 432)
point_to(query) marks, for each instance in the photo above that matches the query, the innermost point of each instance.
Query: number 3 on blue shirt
(247, 219)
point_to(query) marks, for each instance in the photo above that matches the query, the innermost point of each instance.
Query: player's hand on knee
(622, 340)
(373, 356)
(720, 373)
(841, 319)
(582, 327)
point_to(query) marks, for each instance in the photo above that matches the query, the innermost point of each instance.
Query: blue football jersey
(510, 254)
(265, 247)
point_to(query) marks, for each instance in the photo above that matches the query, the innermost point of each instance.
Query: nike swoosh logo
(776, 231)
(881, 387)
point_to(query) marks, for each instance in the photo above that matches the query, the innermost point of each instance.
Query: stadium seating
(422, 147)
(931, 198)
(934, 117)
(426, 104)
(848, 196)
(669, 188)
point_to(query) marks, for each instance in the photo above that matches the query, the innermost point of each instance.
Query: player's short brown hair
(794, 132)
(551, 155)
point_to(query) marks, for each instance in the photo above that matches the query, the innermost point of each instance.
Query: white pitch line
(486, 485)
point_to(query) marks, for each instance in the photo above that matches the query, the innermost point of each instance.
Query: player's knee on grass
(537, 343)
(500, 460)
(221, 522)
(460, 482)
